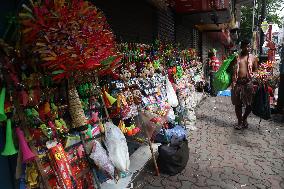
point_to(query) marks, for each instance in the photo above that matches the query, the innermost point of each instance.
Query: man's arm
(235, 72)
(255, 64)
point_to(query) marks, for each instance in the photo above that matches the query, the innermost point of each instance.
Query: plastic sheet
(171, 94)
(101, 159)
(117, 147)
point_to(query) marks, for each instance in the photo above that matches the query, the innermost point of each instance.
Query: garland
(69, 36)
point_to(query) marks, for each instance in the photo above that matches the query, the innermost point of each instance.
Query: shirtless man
(242, 87)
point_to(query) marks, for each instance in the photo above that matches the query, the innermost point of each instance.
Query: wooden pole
(154, 158)
(149, 142)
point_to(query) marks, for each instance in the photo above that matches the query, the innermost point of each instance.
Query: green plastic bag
(222, 79)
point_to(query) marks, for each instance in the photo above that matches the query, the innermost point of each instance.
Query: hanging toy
(145, 73)
(111, 99)
(121, 126)
(89, 131)
(179, 72)
(8, 107)
(151, 70)
(27, 154)
(32, 176)
(54, 110)
(41, 112)
(106, 101)
(102, 128)
(136, 130)
(3, 116)
(47, 110)
(156, 64)
(137, 96)
(123, 106)
(75, 107)
(63, 123)
(9, 148)
(24, 98)
(51, 125)
(36, 95)
(58, 126)
(46, 131)
(129, 131)
(94, 117)
(132, 130)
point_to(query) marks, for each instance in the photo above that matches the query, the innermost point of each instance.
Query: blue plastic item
(178, 132)
(224, 93)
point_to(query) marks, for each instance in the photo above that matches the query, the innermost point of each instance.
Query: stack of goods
(186, 72)
(265, 77)
(140, 86)
(265, 71)
(157, 73)
(62, 90)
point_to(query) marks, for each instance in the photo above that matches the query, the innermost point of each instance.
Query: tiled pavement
(221, 157)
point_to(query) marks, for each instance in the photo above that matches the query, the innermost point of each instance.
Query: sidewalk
(222, 157)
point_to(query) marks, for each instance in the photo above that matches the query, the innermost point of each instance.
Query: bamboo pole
(149, 143)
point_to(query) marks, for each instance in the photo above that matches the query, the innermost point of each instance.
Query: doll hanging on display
(151, 70)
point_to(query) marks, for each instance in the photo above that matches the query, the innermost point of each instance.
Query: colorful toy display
(70, 83)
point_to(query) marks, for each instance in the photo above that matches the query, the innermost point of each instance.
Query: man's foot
(245, 124)
(239, 126)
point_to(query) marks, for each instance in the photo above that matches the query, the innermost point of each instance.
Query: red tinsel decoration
(70, 36)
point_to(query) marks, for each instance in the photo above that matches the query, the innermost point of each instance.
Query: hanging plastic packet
(117, 147)
(101, 159)
(171, 94)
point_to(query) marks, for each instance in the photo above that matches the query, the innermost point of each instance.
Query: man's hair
(245, 42)
(210, 54)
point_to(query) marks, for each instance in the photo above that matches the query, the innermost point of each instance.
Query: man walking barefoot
(242, 86)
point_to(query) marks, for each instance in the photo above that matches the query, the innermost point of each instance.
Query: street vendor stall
(76, 100)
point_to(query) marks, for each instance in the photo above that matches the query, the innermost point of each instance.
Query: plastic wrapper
(101, 159)
(117, 147)
(171, 115)
(152, 122)
(171, 94)
(62, 167)
(173, 135)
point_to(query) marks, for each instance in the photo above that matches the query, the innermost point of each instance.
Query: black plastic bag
(173, 158)
(261, 104)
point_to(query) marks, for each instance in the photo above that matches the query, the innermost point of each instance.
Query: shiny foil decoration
(69, 36)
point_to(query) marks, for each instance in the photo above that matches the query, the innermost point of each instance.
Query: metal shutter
(166, 25)
(131, 21)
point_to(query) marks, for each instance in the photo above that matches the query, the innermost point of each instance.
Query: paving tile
(221, 157)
